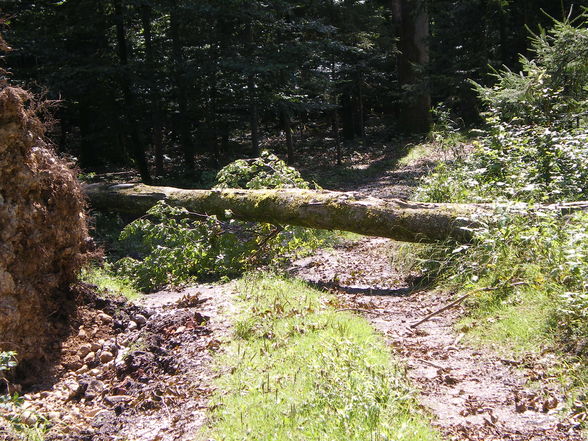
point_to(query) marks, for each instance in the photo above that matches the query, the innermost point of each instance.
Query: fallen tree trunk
(392, 218)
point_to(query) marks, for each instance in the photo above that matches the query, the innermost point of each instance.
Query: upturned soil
(133, 371)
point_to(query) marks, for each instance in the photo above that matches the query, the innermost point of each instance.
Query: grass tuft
(109, 283)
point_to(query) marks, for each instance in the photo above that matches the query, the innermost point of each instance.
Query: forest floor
(145, 371)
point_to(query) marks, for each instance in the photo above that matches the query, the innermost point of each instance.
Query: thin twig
(439, 311)
(436, 366)
(461, 299)
(369, 311)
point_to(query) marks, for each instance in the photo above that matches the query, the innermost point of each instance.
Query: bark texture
(392, 218)
(42, 230)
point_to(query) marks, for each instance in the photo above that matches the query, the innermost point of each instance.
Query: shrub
(525, 163)
(170, 245)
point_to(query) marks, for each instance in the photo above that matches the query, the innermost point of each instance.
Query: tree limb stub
(392, 218)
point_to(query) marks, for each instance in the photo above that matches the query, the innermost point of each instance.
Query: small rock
(106, 357)
(74, 365)
(110, 346)
(94, 372)
(29, 418)
(102, 417)
(105, 318)
(180, 329)
(95, 346)
(82, 333)
(140, 319)
(76, 391)
(117, 399)
(84, 349)
(54, 416)
(83, 370)
(89, 358)
(132, 325)
(95, 388)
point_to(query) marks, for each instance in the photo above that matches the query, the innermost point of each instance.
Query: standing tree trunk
(157, 129)
(253, 116)
(181, 87)
(137, 148)
(287, 126)
(360, 108)
(412, 24)
(347, 110)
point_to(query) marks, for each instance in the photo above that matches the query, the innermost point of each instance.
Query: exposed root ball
(42, 228)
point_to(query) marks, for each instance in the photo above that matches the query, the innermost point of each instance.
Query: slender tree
(137, 145)
(412, 25)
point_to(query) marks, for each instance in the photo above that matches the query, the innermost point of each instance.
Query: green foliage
(171, 245)
(524, 261)
(108, 282)
(525, 163)
(298, 370)
(526, 270)
(553, 86)
(267, 171)
(170, 248)
(535, 148)
(7, 361)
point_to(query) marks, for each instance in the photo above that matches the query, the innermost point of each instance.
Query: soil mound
(42, 230)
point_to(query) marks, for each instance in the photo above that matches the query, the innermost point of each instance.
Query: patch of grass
(417, 152)
(517, 325)
(299, 370)
(108, 282)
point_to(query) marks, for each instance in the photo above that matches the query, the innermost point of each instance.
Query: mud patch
(140, 372)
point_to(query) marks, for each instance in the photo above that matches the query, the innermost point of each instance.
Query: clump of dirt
(43, 234)
(131, 371)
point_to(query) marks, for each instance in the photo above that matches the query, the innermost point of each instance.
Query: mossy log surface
(393, 218)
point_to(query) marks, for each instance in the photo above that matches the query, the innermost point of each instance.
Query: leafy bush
(525, 163)
(267, 171)
(535, 151)
(170, 245)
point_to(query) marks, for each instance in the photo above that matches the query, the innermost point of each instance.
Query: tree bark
(157, 129)
(287, 126)
(392, 218)
(253, 116)
(412, 25)
(181, 87)
(137, 148)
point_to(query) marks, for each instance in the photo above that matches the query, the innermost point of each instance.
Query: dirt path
(473, 394)
(144, 372)
(135, 372)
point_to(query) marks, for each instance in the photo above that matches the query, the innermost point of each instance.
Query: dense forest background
(180, 86)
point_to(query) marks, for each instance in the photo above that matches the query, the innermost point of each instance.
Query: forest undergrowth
(527, 267)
